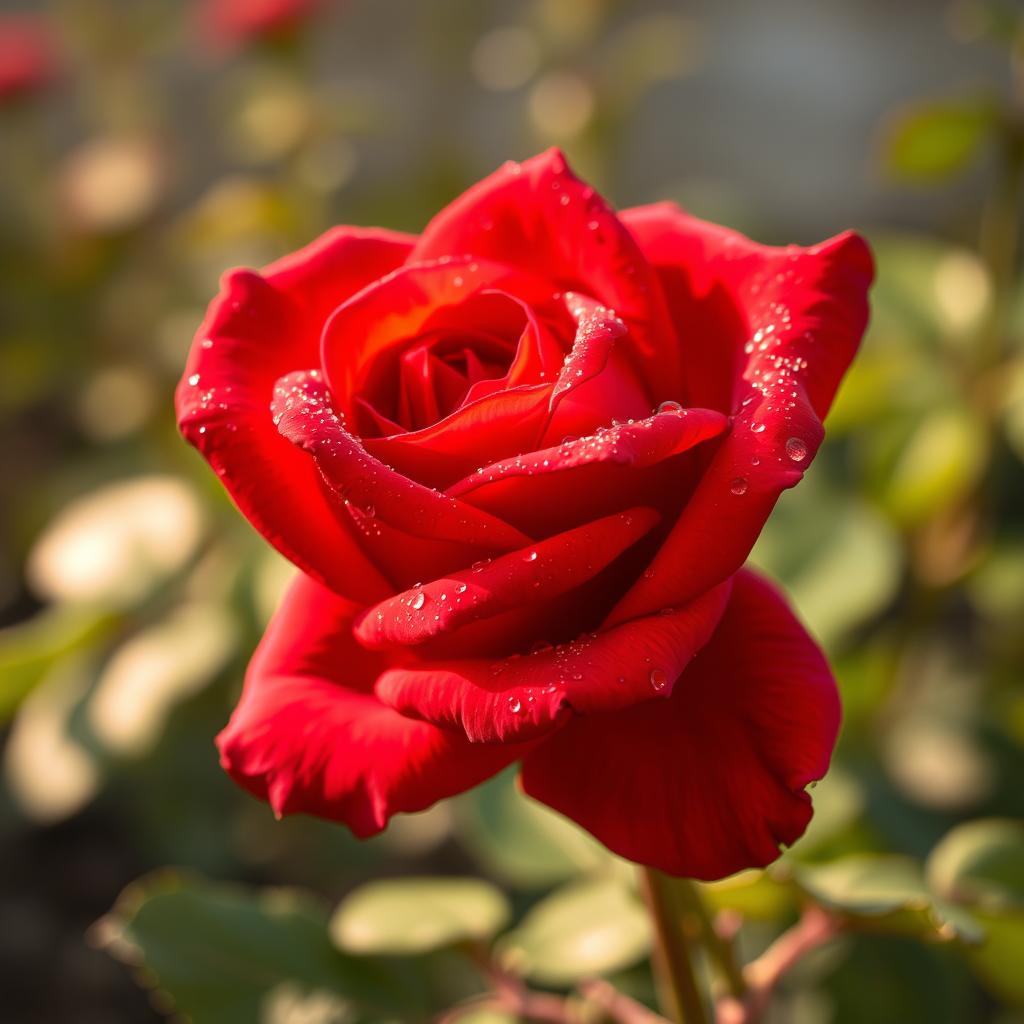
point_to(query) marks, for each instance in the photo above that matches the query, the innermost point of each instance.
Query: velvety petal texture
(309, 735)
(520, 461)
(711, 780)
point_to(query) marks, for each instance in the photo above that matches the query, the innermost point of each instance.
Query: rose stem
(718, 946)
(673, 950)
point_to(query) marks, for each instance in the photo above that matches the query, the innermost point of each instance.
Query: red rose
(28, 56)
(520, 460)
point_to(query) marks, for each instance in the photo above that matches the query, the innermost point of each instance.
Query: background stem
(674, 949)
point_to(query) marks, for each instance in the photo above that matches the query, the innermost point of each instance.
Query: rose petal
(252, 334)
(309, 736)
(304, 415)
(767, 334)
(711, 781)
(539, 217)
(520, 698)
(367, 333)
(556, 488)
(529, 576)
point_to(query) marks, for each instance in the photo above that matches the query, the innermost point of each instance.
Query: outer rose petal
(766, 335)
(712, 780)
(540, 217)
(253, 334)
(309, 736)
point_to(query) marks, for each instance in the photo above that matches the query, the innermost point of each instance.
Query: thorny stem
(673, 950)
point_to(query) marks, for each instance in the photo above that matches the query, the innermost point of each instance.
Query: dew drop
(658, 680)
(669, 406)
(418, 601)
(530, 556)
(514, 705)
(481, 565)
(461, 588)
(738, 486)
(206, 343)
(757, 428)
(796, 449)
(194, 379)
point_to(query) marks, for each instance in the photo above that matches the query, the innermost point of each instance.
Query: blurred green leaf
(981, 864)
(30, 649)
(225, 955)
(759, 895)
(520, 840)
(889, 893)
(415, 915)
(583, 929)
(935, 140)
(939, 462)
(839, 560)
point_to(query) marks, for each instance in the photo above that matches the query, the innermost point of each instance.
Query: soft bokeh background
(159, 153)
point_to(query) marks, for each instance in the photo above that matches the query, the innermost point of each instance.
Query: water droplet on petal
(757, 428)
(514, 705)
(530, 556)
(658, 680)
(738, 486)
(796, 449)
(461, 588)
(482, 564)
(194, 379)
(418, 601)
(669, 406)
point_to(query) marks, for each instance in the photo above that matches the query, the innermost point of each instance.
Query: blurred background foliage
(163, 146)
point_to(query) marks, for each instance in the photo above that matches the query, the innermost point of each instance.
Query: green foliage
(935, 140)
(583, 929)
(416, 915)
(30, 649)
(221, 954)
(521, 841)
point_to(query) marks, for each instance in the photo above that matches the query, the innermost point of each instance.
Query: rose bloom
(28, 56)
(520, 460)
(234, 22)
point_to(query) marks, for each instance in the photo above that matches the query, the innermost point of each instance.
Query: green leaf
(415, 915)
(935, 140)
(222, 954)
(520, 840)
(886, 893)
(939, 462)
(839, 560)
(584, 929)
(759, 895)
(981, 864)
(30, 649)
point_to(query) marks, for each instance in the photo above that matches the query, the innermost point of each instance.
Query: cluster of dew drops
(775, 377)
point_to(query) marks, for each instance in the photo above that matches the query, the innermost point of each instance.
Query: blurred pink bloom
(28, 56)
(234, 22)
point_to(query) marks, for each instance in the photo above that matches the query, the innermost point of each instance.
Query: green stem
(674, 949)
(720, 949)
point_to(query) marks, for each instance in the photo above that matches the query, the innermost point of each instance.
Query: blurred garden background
(148, 145)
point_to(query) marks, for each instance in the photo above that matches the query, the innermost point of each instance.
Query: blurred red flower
(235, 22)
(572, 425)
(28, 55)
